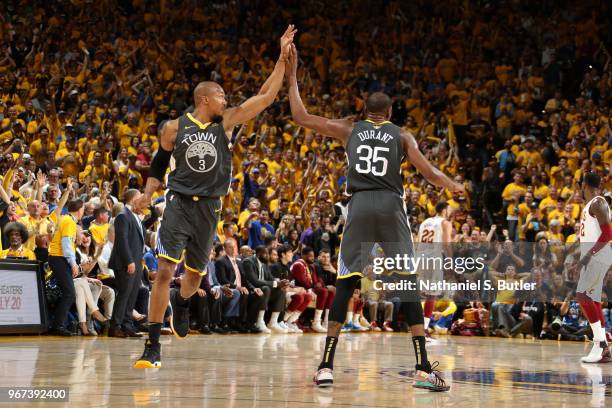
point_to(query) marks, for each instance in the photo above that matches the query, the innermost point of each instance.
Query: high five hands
(287, 40)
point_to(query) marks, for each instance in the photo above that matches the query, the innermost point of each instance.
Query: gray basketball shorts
(376, 225)
(187, 230)
(591, 280)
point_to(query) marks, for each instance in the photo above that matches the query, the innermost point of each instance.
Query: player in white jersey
(595, 260)
(434, 240)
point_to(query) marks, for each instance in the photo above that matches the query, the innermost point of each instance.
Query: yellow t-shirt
(541, 192)
(21, 253)
(67, 228)
(506, 296)
(511, 188)
(35, 227)
(547, 202)
(98, 232)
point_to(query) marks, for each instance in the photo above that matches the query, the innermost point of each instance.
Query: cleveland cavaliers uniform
(592, 277)
(376, 212)
(201, 175)
(430, 247)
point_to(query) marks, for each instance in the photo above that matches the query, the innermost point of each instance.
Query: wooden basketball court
(371, 370)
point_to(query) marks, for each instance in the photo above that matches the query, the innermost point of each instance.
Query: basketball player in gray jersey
(375, 149)
(199, 142)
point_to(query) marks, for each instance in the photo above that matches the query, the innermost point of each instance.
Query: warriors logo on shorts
(201, 156)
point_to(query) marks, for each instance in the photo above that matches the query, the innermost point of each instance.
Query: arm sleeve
(450, 309)
(604, 238)
(68, 251)
(160, 163)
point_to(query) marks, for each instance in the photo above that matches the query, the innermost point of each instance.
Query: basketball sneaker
(387, 327)
(374, 326)
(324, 378)
(600, 353)
(294, 328)
(277, 328)
(151, 358)
(432, 381)
(348, 327)
(179, 319)
(357, 327)
(316, 327)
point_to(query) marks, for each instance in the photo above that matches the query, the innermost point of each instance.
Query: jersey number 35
(371, 160)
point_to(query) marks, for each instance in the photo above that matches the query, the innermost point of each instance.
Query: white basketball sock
(260, 317)
(294, 316)
(317, 316)
(426, 321)
(349, 317)
(274, 318)
(597, 332)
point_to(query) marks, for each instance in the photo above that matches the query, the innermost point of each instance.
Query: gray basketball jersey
(375, 153)
(203, 160)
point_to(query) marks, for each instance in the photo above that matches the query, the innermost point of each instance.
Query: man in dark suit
(230, 273)
(258, 274)
(126, 261)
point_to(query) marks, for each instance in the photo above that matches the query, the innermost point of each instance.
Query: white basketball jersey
(590, 232)
(430, 230)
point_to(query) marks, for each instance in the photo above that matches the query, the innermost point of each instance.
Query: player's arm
(160, 161)
(431, 174)
(254, 105)
(599, 209)
(336, 128)
(447, 229)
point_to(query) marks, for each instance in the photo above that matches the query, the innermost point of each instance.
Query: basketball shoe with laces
(432, 381)
(151, 358)
(179, 319)
(324, 378)
(600, 353)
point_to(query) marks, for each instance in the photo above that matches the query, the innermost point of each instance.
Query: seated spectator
(17, 235)
(105, 273)
(354, 316)
(230, 274)
(230, 297)
(442, 317)
(86, 303)
(325, 269)
(375, 302)
(305, 274)
(258, 273)
(298, 296)
(501, 309)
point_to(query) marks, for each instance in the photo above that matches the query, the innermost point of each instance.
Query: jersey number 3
(372, 161)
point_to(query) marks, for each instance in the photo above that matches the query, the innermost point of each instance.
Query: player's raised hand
(292, 63)
(287, 37)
